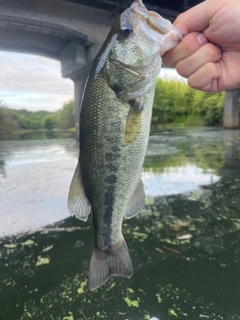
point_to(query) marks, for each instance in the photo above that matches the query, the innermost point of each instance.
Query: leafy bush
(49, 122)
(8, 120)
(65, 116)
(11, 119)
(176, 102)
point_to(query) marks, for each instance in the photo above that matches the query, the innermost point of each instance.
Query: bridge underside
(47, 44)
(169, 9)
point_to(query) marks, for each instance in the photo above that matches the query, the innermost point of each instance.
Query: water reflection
(29, 151)
(34, 192)
(175, 180)
(36, 135)
(2, 169)
(39, 172)
(184, 245)
(231, 142)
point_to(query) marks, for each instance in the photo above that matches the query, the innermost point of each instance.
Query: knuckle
(190, 46)
(211, 51)
(212, 68)
(182, 68)
(192, 83)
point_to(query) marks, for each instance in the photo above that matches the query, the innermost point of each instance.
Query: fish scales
(114, 128)
(116, 168)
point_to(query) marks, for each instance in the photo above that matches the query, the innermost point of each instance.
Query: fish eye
(126, 30)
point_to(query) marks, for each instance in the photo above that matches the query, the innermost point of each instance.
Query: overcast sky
(32, 82)
(35, 83)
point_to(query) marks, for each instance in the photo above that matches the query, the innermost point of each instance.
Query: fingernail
(218, 50)
(201, 38)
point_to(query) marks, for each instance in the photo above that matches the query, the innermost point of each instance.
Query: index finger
(198, 17)
(189, 44)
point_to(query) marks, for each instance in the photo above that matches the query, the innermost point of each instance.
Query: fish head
(134, 48)
(151, 25)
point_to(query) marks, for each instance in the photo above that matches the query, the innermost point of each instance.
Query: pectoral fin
(78, 204)
(136, 202)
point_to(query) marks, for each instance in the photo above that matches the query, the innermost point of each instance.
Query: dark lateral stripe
(112, 179)
(108, 214)
(111, 167)
(111, 157)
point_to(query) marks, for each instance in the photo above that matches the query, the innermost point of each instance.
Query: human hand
(209, 53)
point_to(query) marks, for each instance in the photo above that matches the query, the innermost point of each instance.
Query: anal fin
(136, 202)
(78, 204)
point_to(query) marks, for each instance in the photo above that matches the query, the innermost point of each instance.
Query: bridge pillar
(75, 65)
(231, 111)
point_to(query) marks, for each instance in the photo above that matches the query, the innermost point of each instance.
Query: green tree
(30, 120)
(49, 122)
(66, 116)
(176, 102)
(212, 108)
(8, 120)
(169, 101)
(24, 122)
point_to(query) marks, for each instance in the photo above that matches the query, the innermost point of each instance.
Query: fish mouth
(156, 27)
(152, 19)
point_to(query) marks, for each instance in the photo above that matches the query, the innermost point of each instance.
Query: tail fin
(115, 261)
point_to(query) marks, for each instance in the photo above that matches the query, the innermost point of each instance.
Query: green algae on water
(171, 312)
(10, 245)
(82, 286)
(42, 260)
(29, 242)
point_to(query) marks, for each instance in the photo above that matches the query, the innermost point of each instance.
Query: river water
(185, 244)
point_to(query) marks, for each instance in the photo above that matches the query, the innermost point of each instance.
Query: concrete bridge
(72, 31)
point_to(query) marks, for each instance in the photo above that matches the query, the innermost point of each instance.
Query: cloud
(33, 82)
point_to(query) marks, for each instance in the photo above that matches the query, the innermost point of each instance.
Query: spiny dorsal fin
(78, 204)
(136, 202)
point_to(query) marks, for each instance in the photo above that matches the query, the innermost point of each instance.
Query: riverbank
(37, 134)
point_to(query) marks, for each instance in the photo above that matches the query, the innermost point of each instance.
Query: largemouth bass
(114, 129)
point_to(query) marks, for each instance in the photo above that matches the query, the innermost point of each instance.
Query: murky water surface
(185, 244)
